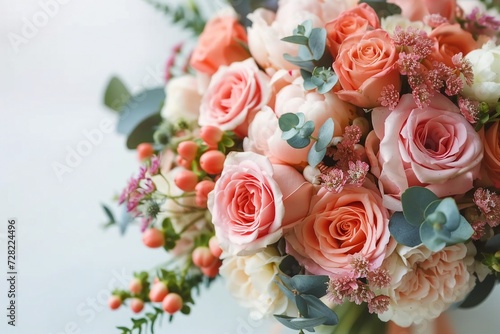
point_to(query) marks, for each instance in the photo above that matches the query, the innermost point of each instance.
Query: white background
(50, 95)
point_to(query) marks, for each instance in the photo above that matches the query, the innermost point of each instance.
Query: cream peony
(424, 284)
(250, 279)
(183, 99)
(486, 68)
(390, 23)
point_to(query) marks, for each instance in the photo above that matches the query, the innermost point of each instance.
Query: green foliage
(480, 292)
(116, 95)
(171, 236)
(305, 291)
(109, 214)
(383, 8)
(435, 222)
(313, 58)
(186, 15)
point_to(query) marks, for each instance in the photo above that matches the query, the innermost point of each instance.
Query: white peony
(486, 68)
(250, 279)
(390, 23)
(183, 99)
(424, 284)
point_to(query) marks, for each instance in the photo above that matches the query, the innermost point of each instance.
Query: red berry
(144, 151)
(180, 161)
(186, 180)
(153, 238)
(213, 244)
(212, 162)
(202, 189)
(135, 286)
(211, 135)
(188, 150)
(202, 257)
(158, 292)
(213, 270)
(114, 302)
(136, 305)
(172, 303)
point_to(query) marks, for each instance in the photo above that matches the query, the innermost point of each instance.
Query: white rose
(264, 36)
(390, 23)
(424, 284)
(263, 126)
(250, 279)
(486, 68)
(183, 99)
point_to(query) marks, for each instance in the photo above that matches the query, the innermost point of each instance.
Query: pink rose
(253, 200)
(365, 64)
(316, 107)
(268, 28)
(416, 10)
(433, 147)
(337, 226)
(233, 97)
(354, 21)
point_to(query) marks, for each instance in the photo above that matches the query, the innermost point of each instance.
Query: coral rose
(416, 10)
(449, 40)
(365, 64)
(221, 43)
(491, 160)
(235, 94)
(354, 21)
(433, 147)
(338, 225)
(253, 200)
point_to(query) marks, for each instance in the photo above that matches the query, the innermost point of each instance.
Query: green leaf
(299, 323)
(307, 129)
(290, 266)
(318, 309)
(140, 117)
(404, 232)
(307, 76)
(288, 121)
(382, 8)
(431, 238)
(289, 134)
(493, 244)
(302, 305)
(415, 200)
(286, 290)
(317, 42)
(449, 208)
(463, 232)
(325, 135)
(116, 95)
(305, 64)
(298, 142)
(109, 214)
(296, 39)
(480, 292)
(314, 157)
(311, 284)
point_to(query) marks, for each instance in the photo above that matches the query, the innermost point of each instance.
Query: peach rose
(354, 21)
(450, 40)
(253, 200)
(433, 147)
(365, 64)
(233, 97)
(316, 107)
(491, 160)
(221, 43)
(338, 225)
(416, 10)
(421, 279)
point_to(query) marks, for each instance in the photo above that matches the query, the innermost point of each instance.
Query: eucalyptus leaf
(463, 232)
(116, 95)
(314, 157)
(290, 295)
(298, 142)
(307, 76)
(296, 39)
(318, 309)
(307, 129)
(300, 323)
(431, 238)
(302, 305)
(289, 134)
(415, 200)
(325, 135)
(306, 64)
(315, 285)
(317, 42)
(404, 232)
(288, 121)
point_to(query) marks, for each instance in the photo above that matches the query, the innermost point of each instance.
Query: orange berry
(153, 238)
(213, 270)
(202, 257)
(186, 180)
(202, 189)
(114, 302)
(172, 303)
(212, 162)
(158, 292)
(187, 150)
(144, 151)
(211, 135)
(136, 305)
(180, 161)
(213, 244)
(135, 286)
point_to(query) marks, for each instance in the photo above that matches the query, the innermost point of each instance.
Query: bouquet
(335, 162)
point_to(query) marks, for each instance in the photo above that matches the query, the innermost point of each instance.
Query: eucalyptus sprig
(313, 58)
(188, 15)
(426, 219)
(298, 134)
